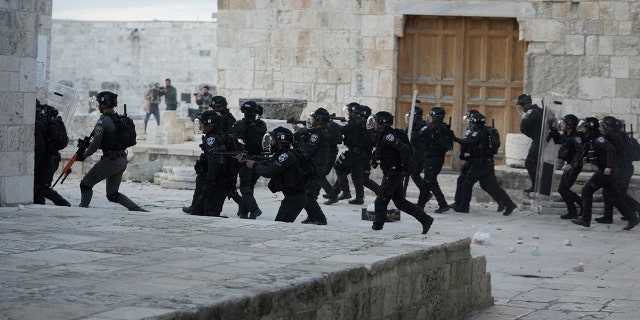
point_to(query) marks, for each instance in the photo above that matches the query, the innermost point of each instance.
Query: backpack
(336, 134)
(307, 166)
(443, 136)
(125, 133)
(253, 136)
(493, 140)
(403, 137)
(57, 138)
(633, 148)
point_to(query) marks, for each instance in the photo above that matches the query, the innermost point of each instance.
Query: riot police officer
(433, 134)
(284, 172)
(481, 165)
(531, 126)
(614, 133)
(394, 158)
(367, 182)
(47, 156)
(336, 139)
(218, 179)
(113, 162)
(251, 129)
(352, 160)
(314, 140)
(570, 152)
(219, 104)
(602, 153)
(418, 145)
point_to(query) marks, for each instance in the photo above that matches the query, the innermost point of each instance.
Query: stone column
(24, 55)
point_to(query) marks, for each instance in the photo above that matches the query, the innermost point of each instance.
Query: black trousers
(623, 179)
(485, 184)
(248, 180)
(351, 162)
(312, 190)
(291, 206)
(483, 170)
(391, 188)
(323, 181)
(432, 168)
(531, 162)
(569, 197)
(607, 183)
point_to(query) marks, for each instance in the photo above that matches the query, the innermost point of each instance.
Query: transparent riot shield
(548, 162)
(61, 97)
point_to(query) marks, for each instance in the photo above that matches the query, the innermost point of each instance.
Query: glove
(80, 157)
(198, 167)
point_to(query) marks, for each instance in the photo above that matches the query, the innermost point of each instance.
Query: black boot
(509, 208)
(356, 201)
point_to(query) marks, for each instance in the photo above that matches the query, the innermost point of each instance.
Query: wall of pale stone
(333, 52)
(127, 57)
(442, 282)
(24, 25)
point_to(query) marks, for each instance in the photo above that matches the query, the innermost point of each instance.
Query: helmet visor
(266, 141)
(371, 122)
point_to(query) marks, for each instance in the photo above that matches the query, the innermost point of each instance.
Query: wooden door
(462, 63)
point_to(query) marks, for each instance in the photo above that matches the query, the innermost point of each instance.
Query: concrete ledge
(106, 264)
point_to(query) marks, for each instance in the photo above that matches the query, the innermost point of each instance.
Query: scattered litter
(579, 267)
(567, 242)
(535, 236)
(499, 228)
(20, 207)
(459, 219)
(482, 237)
(520, 241)
(511, 249)
(535, 251)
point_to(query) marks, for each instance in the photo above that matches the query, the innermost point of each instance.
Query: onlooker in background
(170, 95)
(153, 96)
(203, 99)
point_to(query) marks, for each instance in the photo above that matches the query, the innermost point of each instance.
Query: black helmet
(218, 101)
(321, 114)
(365, 110)
(283, 136)
(250, 107)
(570, 120)
(384, 117)
(524, 100)
(477, 118)
(610, 123)
(470, 112)
(589, 124)
(211, 118)
(418, 111)
(107, 98)
(437, 112)
(354, 107)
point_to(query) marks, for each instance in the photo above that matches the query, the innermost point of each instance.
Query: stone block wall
(441, 282)
(24, 58)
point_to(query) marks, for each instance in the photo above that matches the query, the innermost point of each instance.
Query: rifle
(82, 146)
(245, 155)
(294, 121)
(333, 117)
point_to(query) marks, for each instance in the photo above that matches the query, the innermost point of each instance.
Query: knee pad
(84, 187)
(113, 197)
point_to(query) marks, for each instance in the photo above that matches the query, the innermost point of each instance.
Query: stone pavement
(578, 273)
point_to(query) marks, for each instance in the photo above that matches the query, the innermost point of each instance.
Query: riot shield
(61, 97)
(548, 163)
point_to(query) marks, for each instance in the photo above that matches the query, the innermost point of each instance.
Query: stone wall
(24, 56)
(441, 282)
(333, 52)
(128, 57)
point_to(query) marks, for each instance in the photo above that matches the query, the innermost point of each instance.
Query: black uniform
(251, 132)
(623, 176)
(571, 153)
(481, 168)
(531, 126)
(46, 163)
(111, 166)
(418, 147)
(603, 154)
(353, 160)
(315, 142)
(434, 160)
(284, 173)
(366, 174)
(391, 154)
(218, 180)
(334, 129)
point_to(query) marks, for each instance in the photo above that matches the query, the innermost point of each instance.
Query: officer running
(113, 162)
(394, 158)
(284, 172)
(434, 160)
(251, 129)
(531, 126)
